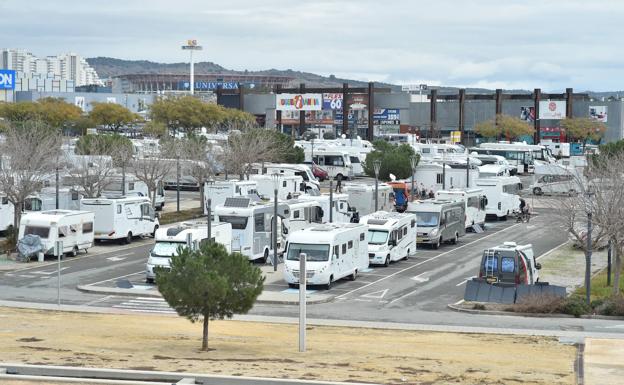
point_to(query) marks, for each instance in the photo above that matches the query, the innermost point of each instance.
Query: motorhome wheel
(387, 261)
(328, 285)
(265, 258)
(407, 255)
(154, 232)
(537, 191)
(129, 238)
(353, 276)
(74, 251)
(455, 239)
(436, 245)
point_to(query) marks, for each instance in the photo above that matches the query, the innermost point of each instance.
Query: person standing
(339, 183)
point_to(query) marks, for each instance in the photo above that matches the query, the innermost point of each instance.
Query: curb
(145, 293)
(532, 315)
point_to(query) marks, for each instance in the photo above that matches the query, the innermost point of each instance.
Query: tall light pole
(588, 253)
(376, 168)
(467, 171)
(191, 45)
(178, 183)
(57, 187)
(276, 180)
(413, 163)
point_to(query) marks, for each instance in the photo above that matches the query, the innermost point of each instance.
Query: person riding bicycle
(524, 210)
(522, 205)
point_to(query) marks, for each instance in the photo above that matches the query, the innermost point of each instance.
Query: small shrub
(545, 304)
(575, 306)
(10, 243)
(478, 306)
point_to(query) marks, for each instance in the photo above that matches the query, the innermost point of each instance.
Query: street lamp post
(588, 253)
(376, 168)
(413, 163)
(276, 180)
(467, 171)
(57, 187)
(191, 45)
(178, 183)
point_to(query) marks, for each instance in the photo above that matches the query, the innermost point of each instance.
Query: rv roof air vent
(237, 202)
(377, 221)
(510, 244)
(173, 231)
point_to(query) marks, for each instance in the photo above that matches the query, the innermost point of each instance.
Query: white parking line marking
(98, 300)
(465, 280)
(427, 260)
(112, 279)
(26, 276)
(420, 279)
(376, 294)
(116, 258)
(49, 272)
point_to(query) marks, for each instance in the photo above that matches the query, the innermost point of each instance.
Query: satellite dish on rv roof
(358, 137)
(392, 177)
(343, 136)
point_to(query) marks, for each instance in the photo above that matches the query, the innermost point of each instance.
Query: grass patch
(182, 215)
(599, 288)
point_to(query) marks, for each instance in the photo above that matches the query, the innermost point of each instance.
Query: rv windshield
(238, 223)
(166, 249)
(427, 219)
(377, 237)
(42, 232)
(314, 253)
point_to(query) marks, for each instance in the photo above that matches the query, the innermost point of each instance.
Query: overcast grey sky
(550, 44)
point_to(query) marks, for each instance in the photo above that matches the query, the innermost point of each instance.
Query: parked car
(319, 173)
(510, 263)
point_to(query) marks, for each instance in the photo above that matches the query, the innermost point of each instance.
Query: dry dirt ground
(146, 342)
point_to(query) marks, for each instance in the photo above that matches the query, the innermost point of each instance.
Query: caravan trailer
(333, 251)
(168, 240)
(73, 228)
(252, 226)
(121, 218)
(69, 199)
(474, 201)
(362, 197)
(502, 195)
(438, 221)
(391, 236)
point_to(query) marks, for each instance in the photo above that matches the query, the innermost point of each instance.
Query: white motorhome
(438, 221)
(391, 236)
(330, 149)
(304, 171)
(303, 213)
(495, 159)
(218, 191)
(121, 218)
(362, 197)
(341, 210)
(335, 160)
(502, 195)
(431, 176)
(557, 179)
(73, 228)
(169, 239)
(333, 251)
(492, 171)
(134, 187)
(69, 199)
(557, 149)
(288, 185)
(474, 201)
(7, 214)
(252, 226)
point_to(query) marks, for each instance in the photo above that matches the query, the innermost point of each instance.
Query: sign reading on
(298, 102)
(7, 79)
(550, 109)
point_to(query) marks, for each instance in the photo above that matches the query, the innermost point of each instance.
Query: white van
(121, 218)
(362, 197)
(553, 178)
(502, 195)
(474, 201)
(168, 240)
(303, 214)
(73, 228)
(252, 226)
(333, 251)
(391, 236)
(341, 211)
(218, 191)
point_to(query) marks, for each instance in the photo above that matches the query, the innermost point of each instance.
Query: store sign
(357, 101)
(298, 102)
(527, 114)
(208, 86)
(311, 117)
(555, 110)
(386, 116)
(332, 101)
(7, 80)
(598, 113)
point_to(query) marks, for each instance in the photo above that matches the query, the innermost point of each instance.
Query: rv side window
(439, 178)
(74, 196)
(5, 200)
(508, 265)
(344, 248)
(259, 222)
(73, 228)
(32, 204)
(63, 231)
(350, 244)
(87, 227)
(404, 231)
(296, 214)
(145, 210)
(284, 184)
(42, 232)
(399, 234)
(130, 186)
(337, 251)
(413, 223)
(362, 236)
(118, 209)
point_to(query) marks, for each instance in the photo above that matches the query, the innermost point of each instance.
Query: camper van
(552, 178)
(134, 187)
(362, 197)
(303, 214)
(335, 160)
(121, 218)
(252, 226)
(438, 221)
(391, 236)
(168, 240)
(220, 190)
(288, 185)
(341, 211)
(304, 171)
(333, 251)
(474, 201)
(44, 200)
(502, 195)
(73, 228)
(509, 263)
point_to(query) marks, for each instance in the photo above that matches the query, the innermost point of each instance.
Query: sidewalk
(604, 361)
(280, 296)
